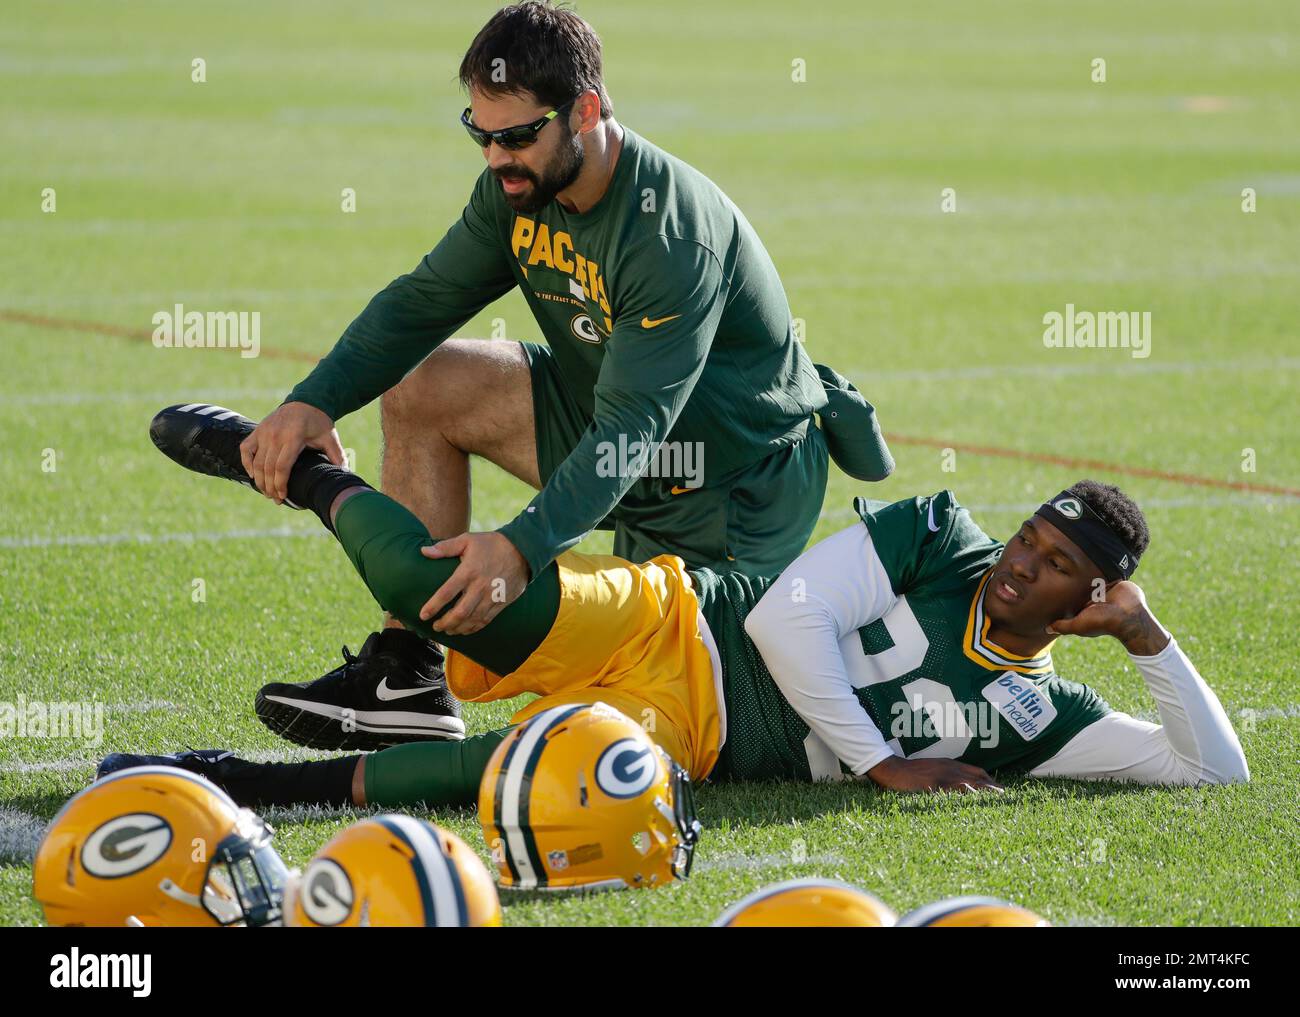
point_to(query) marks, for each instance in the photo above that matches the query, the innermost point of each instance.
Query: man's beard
(555, 178)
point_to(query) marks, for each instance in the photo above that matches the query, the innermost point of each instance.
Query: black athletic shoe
(206, 439)
(393, 691)
(210, 763)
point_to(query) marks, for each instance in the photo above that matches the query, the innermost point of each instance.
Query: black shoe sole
(318, 726)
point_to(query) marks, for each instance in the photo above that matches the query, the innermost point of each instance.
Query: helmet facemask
(685, 819)
(245, 879)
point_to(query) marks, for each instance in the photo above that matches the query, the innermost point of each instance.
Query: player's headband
(1076, 519)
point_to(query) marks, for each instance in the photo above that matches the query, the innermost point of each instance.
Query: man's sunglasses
(511, 138)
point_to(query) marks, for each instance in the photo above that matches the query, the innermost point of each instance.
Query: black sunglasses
(511, 138)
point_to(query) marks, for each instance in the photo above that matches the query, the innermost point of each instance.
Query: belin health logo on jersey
(1022, 704)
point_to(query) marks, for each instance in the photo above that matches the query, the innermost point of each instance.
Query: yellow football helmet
(157, 845)
(580, 797)
(393, 871)
(807, 903)
(985, 911)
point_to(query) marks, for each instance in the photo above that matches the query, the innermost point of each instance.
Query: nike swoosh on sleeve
(655, 322)
(930, 522)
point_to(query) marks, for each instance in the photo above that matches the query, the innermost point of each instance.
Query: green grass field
(1122, 195)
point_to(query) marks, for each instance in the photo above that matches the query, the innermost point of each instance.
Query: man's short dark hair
(538, 48)
(1118, 511)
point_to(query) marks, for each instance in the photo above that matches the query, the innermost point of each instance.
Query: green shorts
(757, 521)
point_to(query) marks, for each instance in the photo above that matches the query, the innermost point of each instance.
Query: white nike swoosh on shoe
(930, 522)
(384, 693)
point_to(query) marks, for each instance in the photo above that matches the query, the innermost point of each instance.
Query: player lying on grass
(910, 648)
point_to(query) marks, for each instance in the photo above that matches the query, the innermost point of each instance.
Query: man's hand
(1123, 614)
(491, 574)
(271, 450)
(899, 774)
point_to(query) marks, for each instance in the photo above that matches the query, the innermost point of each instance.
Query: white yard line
(20, 836)
(108, 539)
(104, 539)
(1127, 367)
(732, 861)
(1208, 501)
(51, 766)
(73, 762)
(175, 395)
(277, 815)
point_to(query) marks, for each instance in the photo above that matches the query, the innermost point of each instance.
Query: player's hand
(271, 450)
(1124, 614)
(899, 774)
(491, 574)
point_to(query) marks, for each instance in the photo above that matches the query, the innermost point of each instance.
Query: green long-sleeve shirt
(665, 314)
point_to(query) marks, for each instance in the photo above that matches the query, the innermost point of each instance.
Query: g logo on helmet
(126, 845)
(327, 894)
(1068, 507)
(626, 768)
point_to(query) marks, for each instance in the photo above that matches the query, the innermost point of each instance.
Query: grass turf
(1117, 196)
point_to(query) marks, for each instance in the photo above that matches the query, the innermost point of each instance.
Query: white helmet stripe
(511, 803)
(443, 879)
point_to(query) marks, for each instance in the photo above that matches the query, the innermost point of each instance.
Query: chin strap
(225, 910)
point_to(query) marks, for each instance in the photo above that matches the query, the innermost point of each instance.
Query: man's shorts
(756, 522)
(628, 635)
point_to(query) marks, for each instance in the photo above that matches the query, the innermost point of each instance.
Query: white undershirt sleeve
(833, 588)
(1195, 745)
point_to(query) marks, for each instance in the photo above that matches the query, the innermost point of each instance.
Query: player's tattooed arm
(1123, 614)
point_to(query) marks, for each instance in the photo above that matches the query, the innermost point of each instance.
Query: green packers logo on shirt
(1068, 507)
(584, 328)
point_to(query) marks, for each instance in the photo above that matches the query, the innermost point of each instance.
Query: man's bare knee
(460, 391)
(437, 387)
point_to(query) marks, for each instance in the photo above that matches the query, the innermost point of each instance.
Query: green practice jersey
(925, 673)
(665, 314)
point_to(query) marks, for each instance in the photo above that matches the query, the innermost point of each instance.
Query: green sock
(383, 538)
(437, 773)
